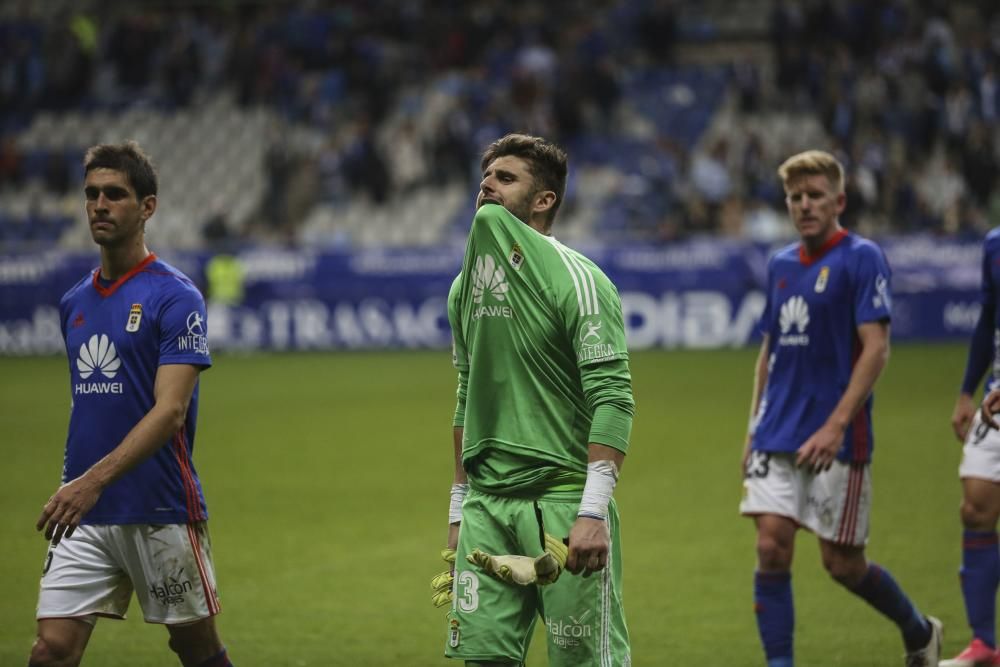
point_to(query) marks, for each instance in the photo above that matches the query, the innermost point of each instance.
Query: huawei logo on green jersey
(487, 276)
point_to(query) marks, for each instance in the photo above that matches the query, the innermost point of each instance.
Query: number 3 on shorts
(467, 591)
(758, 465)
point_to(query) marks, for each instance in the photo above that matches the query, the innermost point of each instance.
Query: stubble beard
(520, 210)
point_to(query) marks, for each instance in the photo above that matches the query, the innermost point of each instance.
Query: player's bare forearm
(873, 359)
(458, 434)
(961, 417)
(759, 381)
(759, 378)
(821, 448)
(460, 478)
(453, 535)
(589, 539)
(173, 388)
(598, 452)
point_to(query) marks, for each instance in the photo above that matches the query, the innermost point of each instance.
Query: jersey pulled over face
(117, 336)
(526, 314)
(507, 181)
(815, 303)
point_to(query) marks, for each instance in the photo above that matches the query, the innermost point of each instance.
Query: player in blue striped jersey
(129, 515)
(980, 474)
(807, 456)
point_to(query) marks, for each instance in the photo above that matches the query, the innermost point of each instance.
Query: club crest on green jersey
(516, 257)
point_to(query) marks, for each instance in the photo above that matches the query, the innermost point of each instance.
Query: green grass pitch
(327, 480)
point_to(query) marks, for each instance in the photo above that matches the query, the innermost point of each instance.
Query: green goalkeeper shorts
(493, 621)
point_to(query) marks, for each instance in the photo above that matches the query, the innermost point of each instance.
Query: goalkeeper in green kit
(541, 428)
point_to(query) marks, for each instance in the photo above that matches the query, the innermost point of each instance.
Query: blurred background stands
(359, 124)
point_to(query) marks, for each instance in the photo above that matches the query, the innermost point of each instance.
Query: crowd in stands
(910, 96)
(398, 96)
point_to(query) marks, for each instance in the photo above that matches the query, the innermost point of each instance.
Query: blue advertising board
(696, 294)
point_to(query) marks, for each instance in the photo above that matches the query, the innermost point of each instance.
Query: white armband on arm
(601, 479)
(458, 492)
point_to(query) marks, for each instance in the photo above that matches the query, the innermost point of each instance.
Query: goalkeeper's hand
(525, 570)
(441, 584)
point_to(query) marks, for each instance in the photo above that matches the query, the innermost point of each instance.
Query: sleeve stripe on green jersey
(583, 280)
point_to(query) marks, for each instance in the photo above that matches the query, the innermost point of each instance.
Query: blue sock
(980, 576)
(881, 591)
(218, 660)
(772, 597)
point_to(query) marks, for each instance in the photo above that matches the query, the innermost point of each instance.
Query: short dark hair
(546, 163)
(129, 159)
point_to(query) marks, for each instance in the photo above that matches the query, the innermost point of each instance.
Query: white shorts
(94, 572)
(981, 453)
(834, 504)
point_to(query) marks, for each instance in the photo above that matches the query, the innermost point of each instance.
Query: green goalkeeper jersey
(539, 343)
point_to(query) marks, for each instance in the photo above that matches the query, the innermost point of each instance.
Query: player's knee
(196, 647)
(174, 645)
(53, 652)
(847, 572)
(978, 516)
(187, 652)
(773, 554)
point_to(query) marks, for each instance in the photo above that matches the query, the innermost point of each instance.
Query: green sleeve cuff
(608, 388)
(611, 426)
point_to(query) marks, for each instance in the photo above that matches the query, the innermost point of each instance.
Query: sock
(218, 660)
(980, 576)
(772, 596)
(881, 591)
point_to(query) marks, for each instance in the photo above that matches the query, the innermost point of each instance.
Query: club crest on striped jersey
(516, 257)
(821, 279)
(134, 318)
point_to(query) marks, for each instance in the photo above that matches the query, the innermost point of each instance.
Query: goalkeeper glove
(441, 584)
(525, 570)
